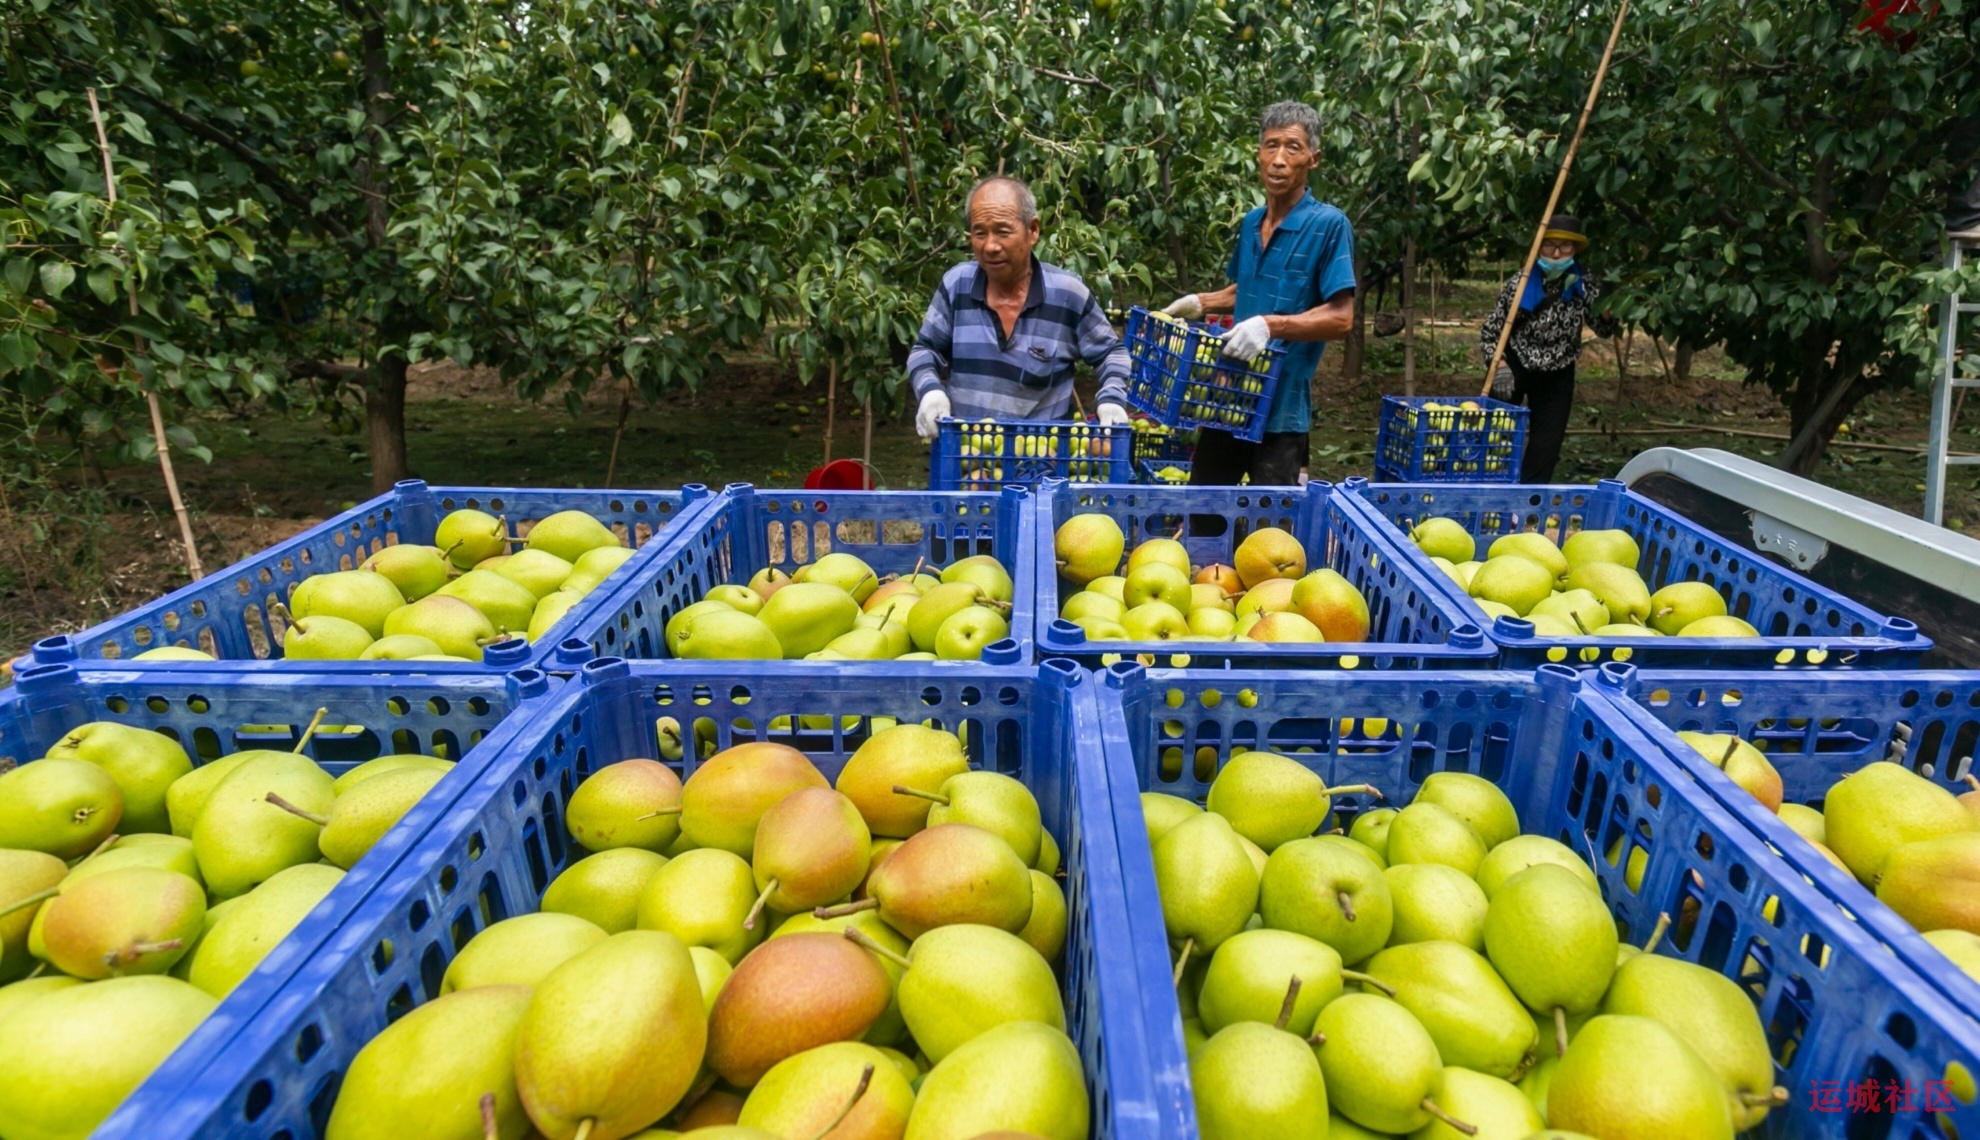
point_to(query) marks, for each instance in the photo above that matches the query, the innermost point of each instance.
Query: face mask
(1553, 265)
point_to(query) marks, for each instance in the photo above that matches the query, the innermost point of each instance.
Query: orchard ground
(273, 475)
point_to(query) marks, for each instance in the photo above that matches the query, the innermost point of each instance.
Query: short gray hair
(1027, 202)
(1291, 113)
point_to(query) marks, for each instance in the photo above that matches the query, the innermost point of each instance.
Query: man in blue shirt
(1004, 330)
(1293, 274)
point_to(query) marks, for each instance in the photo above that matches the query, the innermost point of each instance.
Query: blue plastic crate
(1927, 721)
(503, 842)
(1151, 472)
(211, 714)
(742, 530)
(1837, 1006)
(1800, 623)
(1178, 376)
(984, 456)
(1411, 622)
(1167, 444)
(227, 613)
(1415, 443)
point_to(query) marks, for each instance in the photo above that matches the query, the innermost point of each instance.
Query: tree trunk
(1683, 364)
(385, 412)
(1828, 391)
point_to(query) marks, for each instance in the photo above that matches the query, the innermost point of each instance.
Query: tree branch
(1745, 155)
(325, 370)
(1082, 80)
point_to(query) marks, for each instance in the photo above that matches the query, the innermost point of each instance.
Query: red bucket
(839, 475)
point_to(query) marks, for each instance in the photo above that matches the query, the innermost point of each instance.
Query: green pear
(1614, 546)
(1341, 1128)
(848, 572)
(605, 889)
(1512, 581)
(456, 627)
(1490, 1107)
(520, 951)
(1341, 841)
(72, 1055)
(891, 1027)
(1371, 830)
(1553, 941)
(1250, 973)
(134, 920)
(430, 1072)
(1252, 1081)
(1724, 625)
(768, 581)
(1934, 884)
(174, 653)
(17, 994)
(964, 635)
(1468, 1011)
(677, 626)
(1087, 547)
(506, 604)
(986, 572)
(23, 876)
(1709, 1012)
(590, 569)
(1631, 1078)
(1581, 610)
(1806, 821)
(242, 837)
(1435, 903)
(811, 850)
(143, 763)
(1873, 811)
(393, 762)
(633, 803)
(1681, 603)
(741, 599)
(1087, 604)
(468, 536)
(804, 1095)
(791, 994)
(1961, 947)
(1523, 851)
(1272, 800)
(1619, 588)
(725, 797)
(892, 627)
(569, 535)
(63, 808)
(1328, 894)
(1742, 763)
(1110, 585)
(537, 571)
(360, 817)
(1444, 538)
(701, 897)
(937, 606)
(323, 637)
(806, 616)
(1045, 930)
(908, 755)
(145, 849)
(994, 802)
(1474, 799)
(253, 924)
(414, 570)
(950, 873)
(400, 647)
(1048, 853)
(361, 597)
(1382, 1068)
(862, 644)
(1424, 832)
(1160, 812)
(1534, 547)
(1021, 1077)
(722, 634)
(964, 980)
(712, 971)
(1208, 885)
(1157, 582)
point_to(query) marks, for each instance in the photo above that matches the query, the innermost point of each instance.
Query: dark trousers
(1222, 459)
(1549, 398)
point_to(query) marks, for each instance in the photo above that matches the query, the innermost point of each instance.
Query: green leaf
(56, 276)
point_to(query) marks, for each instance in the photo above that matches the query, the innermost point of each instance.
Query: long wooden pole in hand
(151, 397)
(1553, 200)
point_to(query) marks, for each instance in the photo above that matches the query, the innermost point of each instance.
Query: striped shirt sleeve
(1102, 349)
(928, 360)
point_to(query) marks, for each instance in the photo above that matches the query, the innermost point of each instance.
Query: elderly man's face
(999, 236)
(1284, 160)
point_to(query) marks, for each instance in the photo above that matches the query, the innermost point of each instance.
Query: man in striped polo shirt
(1005, 329)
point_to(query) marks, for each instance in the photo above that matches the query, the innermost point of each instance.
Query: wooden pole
(866, 452)
(151, 397)
(618, 433)
(1409, 316)
(893, 93)
(831, 403)
(1553, 200)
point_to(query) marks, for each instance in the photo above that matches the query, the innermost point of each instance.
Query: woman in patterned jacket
(1546, 341)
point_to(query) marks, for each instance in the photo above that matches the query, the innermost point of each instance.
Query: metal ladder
(1937, 458)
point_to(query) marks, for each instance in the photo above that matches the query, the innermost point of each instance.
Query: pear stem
(1560, 1032)
(1525, 1064)
(1177, 537)
(489, 1130)
(844, 909)
(1430, 1106)
(1657, 932)
(278, 801)
(1773, 1098)
(117, 959)
(861, 938)
(749, 920)
(1286, 1006)
(1369, 981)
(584, 1129)
(657, 812)
(1732, 746)
(308, 733)
(1972, 779)
(29, 900)
(931, 797)
(859, 1090)
(99, 849)
(1318, 1038)
(40, 968)
(1183, 959)
(1344, 789)
(918, 564)
(1347, 904)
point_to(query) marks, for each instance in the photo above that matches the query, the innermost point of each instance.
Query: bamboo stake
(831, 403)
(893, 93)
(1553, 200)
(151, 397)
(618, 433)
(866, 452)
(1409, 316)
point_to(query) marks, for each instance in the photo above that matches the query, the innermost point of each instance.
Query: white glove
(1189, 307)
(1248, 339)
(934, 407)
(1502, 384)
(1111, 415)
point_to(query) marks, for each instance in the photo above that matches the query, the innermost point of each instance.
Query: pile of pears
(838, 609)
(1587, 586)
(137, 890)
(1912, 842)
(447, 601)
(1431, 972)
(761, 952)
(1265, 594)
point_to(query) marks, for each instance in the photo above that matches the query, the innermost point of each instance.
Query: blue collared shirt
(1311, 259)
(1029, 374)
